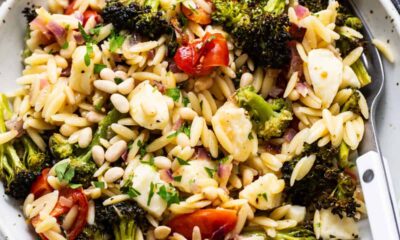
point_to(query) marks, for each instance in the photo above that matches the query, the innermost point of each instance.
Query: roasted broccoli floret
(352, 103)
(259, 27)
(94, 232)
(314, 5)
(349, 41)
(18, 171)
(296, 233)
(60, 148)
(82, 164)
(325, 185)
(144, 17)
(123, 218)
(269, 118)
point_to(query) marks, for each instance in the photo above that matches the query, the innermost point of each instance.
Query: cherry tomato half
(40, 186)
(200, 56)
(197, 15)
(214, 224)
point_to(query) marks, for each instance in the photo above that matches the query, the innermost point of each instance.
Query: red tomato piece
(200, 56)
(197, 15)
(214, 224)
(40, 186)
(70, 9)
(91, 13)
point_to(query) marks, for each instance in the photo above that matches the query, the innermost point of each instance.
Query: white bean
(126, 86)
(120, 103)
(98, 155)
(113, 174)
(106, 86)
(107, 74)
(162, 232)
(85, 137)
(162, 162)
(114, 152)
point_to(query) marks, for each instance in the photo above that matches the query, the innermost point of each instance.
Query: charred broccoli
(296, 233)
(270, 119)
(145, 18)
(18, 171)
(325, 186)
(314, 5)
(60, 148)
(258, 27)
(123, 218)
(94, 232)
(352, 103)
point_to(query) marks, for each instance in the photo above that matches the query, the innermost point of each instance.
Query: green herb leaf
(96, 31)
(173, 93)
(101, 185)
(116, 42)
(151, 193)
(85, 36)
(69, 174)
(150, 162)
(64, 172)
(186, 130)
(98, 68)
(178, 178)
(210, 171)
(182, 162)
(65, 45)
(173, 135)
(170, 195)
(250, 137)
(224, 159)
(132, 192)
(185, 101)
(118, 80)
(89, 51)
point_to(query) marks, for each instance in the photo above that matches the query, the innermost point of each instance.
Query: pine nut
(182, 140)
(124, 132)
(105, 86)
(120, 103)
(120, 74)
(94, 117)
(162, 232)
(162, 162)
(113, 174)
(126, 86)
(114, 152)
(107, 74)
(210, 193)
(246, 79)
(67, 130)
(85, 137)
(98, 155)
(187, 113)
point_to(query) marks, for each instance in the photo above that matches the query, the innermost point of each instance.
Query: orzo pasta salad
(187, 119)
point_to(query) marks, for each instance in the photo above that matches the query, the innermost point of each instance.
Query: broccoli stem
(112, 117)
(344, 155)
(153, 4)
(14, 158)
(275, 6)
(259, 106)
(361, 72)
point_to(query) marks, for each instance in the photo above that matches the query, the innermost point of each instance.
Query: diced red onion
(43, 83)
(301, 11)
(276, 92)
(289, 134)
(202, 154)
(78, 38)
(224, 170)
(124, 156)
(57, 30)
(302, 89)
(173, 67)
(166, 175)
(40, 24)
(296, 63)
(178, 124)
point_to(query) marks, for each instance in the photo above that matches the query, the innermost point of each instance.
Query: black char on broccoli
(20, 160)
(269, 118)
(314, 5)
(147, 19)
(326, 186)
(121, 220)
(259, 27)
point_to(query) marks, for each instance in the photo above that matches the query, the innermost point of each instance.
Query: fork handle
(382, 211)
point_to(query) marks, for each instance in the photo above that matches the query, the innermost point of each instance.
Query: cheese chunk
(144, 177)
(264, 193)
(232, 128)
(326, 72)
(148, 107)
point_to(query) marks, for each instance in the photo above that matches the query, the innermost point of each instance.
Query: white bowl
(383, 21)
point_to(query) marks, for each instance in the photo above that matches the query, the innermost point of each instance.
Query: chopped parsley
(142, 149)
(151, 193)
(173, 93)
(184, 128)
(118, 80)
(96, 31)
(64, 172)
(185, 101)
(182, 162)
(178, 178)
(101, 185)
(132, 192)
(170, 195)
(86, 37)
(224, 159)
(89, 52)
(150, 161)
(65, 45)
(75, 185)
(98, 68)
(210, 171)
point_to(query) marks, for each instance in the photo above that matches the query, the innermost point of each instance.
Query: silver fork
(372, 167)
